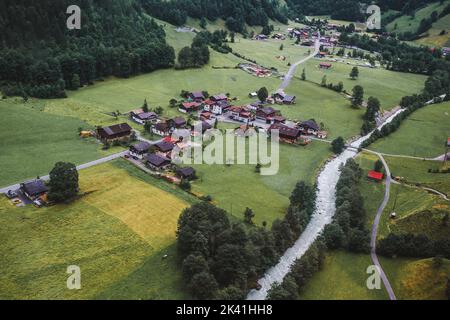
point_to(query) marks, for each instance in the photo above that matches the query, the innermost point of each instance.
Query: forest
(40, 57)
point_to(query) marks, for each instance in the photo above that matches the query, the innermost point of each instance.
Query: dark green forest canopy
(41, 57)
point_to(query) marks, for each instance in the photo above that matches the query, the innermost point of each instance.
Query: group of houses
(294, 133)
(255, 70)
(158, 157)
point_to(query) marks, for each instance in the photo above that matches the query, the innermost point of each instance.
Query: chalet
(187, 107)
(219, 97)
(375, 176)
(116, 132)
(197, 96)
(324, 65)
(206, 115)
(164, 147)
(157, 162)
(255, 106)
(34, 189)
(161, 129)
(220, 107)
(143, 117)
(286, 134)
(321, 54)
(309, 127)
(138, 151)
(241, 114)
(177, 123)
(186, 173)
(260, 37)
(276, 119)
(289, 99)
(266, 114)
(205, 126)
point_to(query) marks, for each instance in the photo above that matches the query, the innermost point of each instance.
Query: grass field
(411, 23)
(234, 188)
(33, 141)
(416, 172)
(342, 278)
(423, 134)
(417, 279)
(117, 234)
(433, 36)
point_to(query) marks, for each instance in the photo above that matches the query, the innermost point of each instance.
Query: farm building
(186, 173)
(309, 127)
(197, 96)
(266, 114)
(161, 129)
(177, 123)
(206, 115)
(282, 98)
(115, 132)
(205, 126)
(143, 117)
(164, 148)
(187, 107)
(34, 189)
(217, 107)
(286, 134)
(325, 65)
(375, 176)
(219, 97)
(156, 162)
(138, 150)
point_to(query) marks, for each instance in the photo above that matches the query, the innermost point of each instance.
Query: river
(323, 215)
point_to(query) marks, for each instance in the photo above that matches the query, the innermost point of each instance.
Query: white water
(323, 215)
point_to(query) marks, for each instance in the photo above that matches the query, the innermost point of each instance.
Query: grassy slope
(236, 187)
(434, 38)
(33, 141)
(410, 23)
(117, 235)
(423, 134)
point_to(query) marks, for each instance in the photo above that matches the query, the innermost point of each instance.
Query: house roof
(34, 187)
(142, 146)
(219, 97)
(190, 105)
(375, 175)
(165, 146)
(448, 142)
(179, 121)
(186, 172)
(197, 95)
(146, 115)
(162, 126)
(289, 98)
(117, 129)
(268, 110)
(156, 160)
(310, 125)
(285, 130)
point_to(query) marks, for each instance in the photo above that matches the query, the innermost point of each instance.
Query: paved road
(80, 167)
(373, 240)
(291, 72)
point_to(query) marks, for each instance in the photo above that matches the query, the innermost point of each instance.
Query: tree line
(40, 57)
(236, 13)
(221, 259)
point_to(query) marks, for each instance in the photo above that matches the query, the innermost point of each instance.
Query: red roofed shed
(375, 176)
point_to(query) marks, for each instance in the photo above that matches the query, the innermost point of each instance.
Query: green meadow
(423, 134)
(118, 235)
(33, 141)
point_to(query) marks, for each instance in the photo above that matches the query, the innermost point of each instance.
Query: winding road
(373, 236)
(290, 74)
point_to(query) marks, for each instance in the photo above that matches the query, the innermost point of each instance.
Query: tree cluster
(411, 245)
(348, 229)
(40, 57)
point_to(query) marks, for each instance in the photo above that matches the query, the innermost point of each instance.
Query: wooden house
(115, 132)
(157, 162)
(139, 150)
(34, 189)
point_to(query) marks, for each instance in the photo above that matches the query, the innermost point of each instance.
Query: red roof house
(375, 176)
